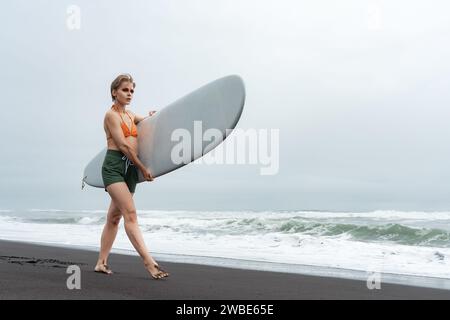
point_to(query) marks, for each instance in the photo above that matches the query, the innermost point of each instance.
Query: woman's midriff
(132, 141)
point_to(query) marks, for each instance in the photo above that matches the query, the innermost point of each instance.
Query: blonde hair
(118, 82)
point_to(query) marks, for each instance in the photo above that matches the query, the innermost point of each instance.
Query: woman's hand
(147, 175)
(151, 113)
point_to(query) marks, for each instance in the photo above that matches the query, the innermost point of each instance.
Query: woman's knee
(114, 219)
(130, 216)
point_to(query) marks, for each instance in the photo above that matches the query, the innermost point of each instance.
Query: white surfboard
(216, 106)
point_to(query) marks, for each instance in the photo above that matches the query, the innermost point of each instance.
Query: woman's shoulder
(110, 115)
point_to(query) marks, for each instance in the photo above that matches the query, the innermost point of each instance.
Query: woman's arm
(113, 125)
(138, 118)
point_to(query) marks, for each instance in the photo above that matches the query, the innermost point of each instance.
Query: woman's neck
(119, 107)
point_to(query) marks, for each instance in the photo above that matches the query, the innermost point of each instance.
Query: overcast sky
(358, 90)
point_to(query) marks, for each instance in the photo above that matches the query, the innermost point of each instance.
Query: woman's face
(125, 93)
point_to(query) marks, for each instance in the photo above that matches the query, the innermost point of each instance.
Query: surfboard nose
(234, 89)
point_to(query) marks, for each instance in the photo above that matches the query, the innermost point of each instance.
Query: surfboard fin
(82, 183)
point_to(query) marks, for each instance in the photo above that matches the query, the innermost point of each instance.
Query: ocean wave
(385, 232)
(65, 211)
(406, 228)
(376, 215)
(390, 232)
(59, 220)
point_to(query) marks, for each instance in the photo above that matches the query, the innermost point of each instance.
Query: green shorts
(118, 168)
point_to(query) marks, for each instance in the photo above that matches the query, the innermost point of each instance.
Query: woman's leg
(108, 236)
(122, 198)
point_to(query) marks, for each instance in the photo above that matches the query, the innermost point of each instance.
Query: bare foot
(103, 268)
(156, 271)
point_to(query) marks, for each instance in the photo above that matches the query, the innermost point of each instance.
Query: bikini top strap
(132, 122)
(120, 114)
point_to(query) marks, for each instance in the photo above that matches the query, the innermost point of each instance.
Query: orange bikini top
(125, 129)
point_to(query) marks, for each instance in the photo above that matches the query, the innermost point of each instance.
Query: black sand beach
(30, 271)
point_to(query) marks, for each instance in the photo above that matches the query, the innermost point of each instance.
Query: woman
(120, 176)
